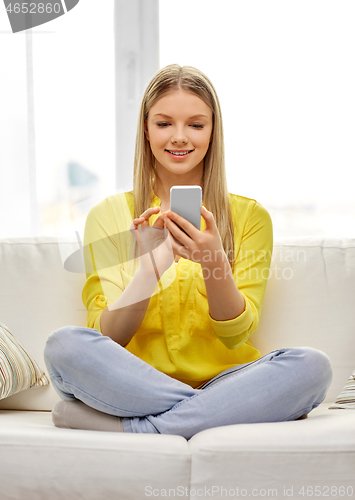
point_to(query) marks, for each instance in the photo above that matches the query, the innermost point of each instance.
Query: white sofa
(309, 301)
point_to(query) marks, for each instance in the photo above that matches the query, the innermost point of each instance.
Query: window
(57, 132)
(283, 75)
(71, 90)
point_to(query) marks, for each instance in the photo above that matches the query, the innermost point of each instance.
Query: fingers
(138, 221)
(144, 218)
(159, 222)
(174, 227)
(149, 211)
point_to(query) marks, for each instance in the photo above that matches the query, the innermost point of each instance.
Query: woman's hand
(199, 246)
(153, 240)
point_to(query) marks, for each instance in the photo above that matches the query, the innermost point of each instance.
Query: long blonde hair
(214, 183)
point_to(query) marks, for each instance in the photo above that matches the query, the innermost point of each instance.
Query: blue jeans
(86, 365)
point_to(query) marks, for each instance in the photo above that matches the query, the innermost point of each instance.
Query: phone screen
(186, 201)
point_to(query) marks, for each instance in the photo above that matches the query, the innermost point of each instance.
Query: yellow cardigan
(177, 335)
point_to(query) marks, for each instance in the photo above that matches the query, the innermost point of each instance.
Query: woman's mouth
(179, 153)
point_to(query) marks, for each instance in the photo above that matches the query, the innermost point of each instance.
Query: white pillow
(18, 370)
(346, 398)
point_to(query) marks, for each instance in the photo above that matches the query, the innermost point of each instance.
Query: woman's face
(179, 121)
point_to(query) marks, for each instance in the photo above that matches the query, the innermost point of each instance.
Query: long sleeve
(250, 273)
(105, 251)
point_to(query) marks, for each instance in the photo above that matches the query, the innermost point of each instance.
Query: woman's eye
(195, 125)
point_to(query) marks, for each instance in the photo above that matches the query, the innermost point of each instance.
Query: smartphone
(186, 201)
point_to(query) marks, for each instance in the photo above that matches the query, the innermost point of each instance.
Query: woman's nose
(179, 137)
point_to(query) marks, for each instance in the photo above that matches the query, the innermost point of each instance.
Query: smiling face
(179, 121)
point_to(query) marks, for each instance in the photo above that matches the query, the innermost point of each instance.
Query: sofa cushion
(346, 398)
(41, 461)
(264, 460)
(37, 296)
(19, 371)
(38, 460)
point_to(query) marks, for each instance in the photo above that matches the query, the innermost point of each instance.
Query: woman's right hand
(150, 238)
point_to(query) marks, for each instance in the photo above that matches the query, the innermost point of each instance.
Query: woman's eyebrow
(167, 116)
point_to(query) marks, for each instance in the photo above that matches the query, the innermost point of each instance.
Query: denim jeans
(282, 385)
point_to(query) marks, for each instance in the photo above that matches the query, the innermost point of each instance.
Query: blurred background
(70, 92)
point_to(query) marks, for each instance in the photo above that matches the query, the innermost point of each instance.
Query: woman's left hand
(203, 247)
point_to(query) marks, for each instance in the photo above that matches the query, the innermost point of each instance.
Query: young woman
(166, 346)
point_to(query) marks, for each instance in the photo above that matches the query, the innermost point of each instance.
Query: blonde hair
(214, 183)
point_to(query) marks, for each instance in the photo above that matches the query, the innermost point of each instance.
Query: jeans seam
(147, 417)
(206, 389)
(216, 381)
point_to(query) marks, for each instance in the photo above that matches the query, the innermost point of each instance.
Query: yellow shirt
(177, 335)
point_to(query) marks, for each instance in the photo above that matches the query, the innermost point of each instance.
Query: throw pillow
(18, 370)
(346, 398)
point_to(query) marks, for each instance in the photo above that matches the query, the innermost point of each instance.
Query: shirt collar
(156, 201)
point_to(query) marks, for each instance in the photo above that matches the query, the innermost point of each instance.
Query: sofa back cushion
(308, 302)
(37, 296)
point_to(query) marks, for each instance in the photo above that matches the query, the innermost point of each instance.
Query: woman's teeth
(178, 154)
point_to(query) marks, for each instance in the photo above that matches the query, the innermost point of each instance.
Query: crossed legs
(84, 365)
